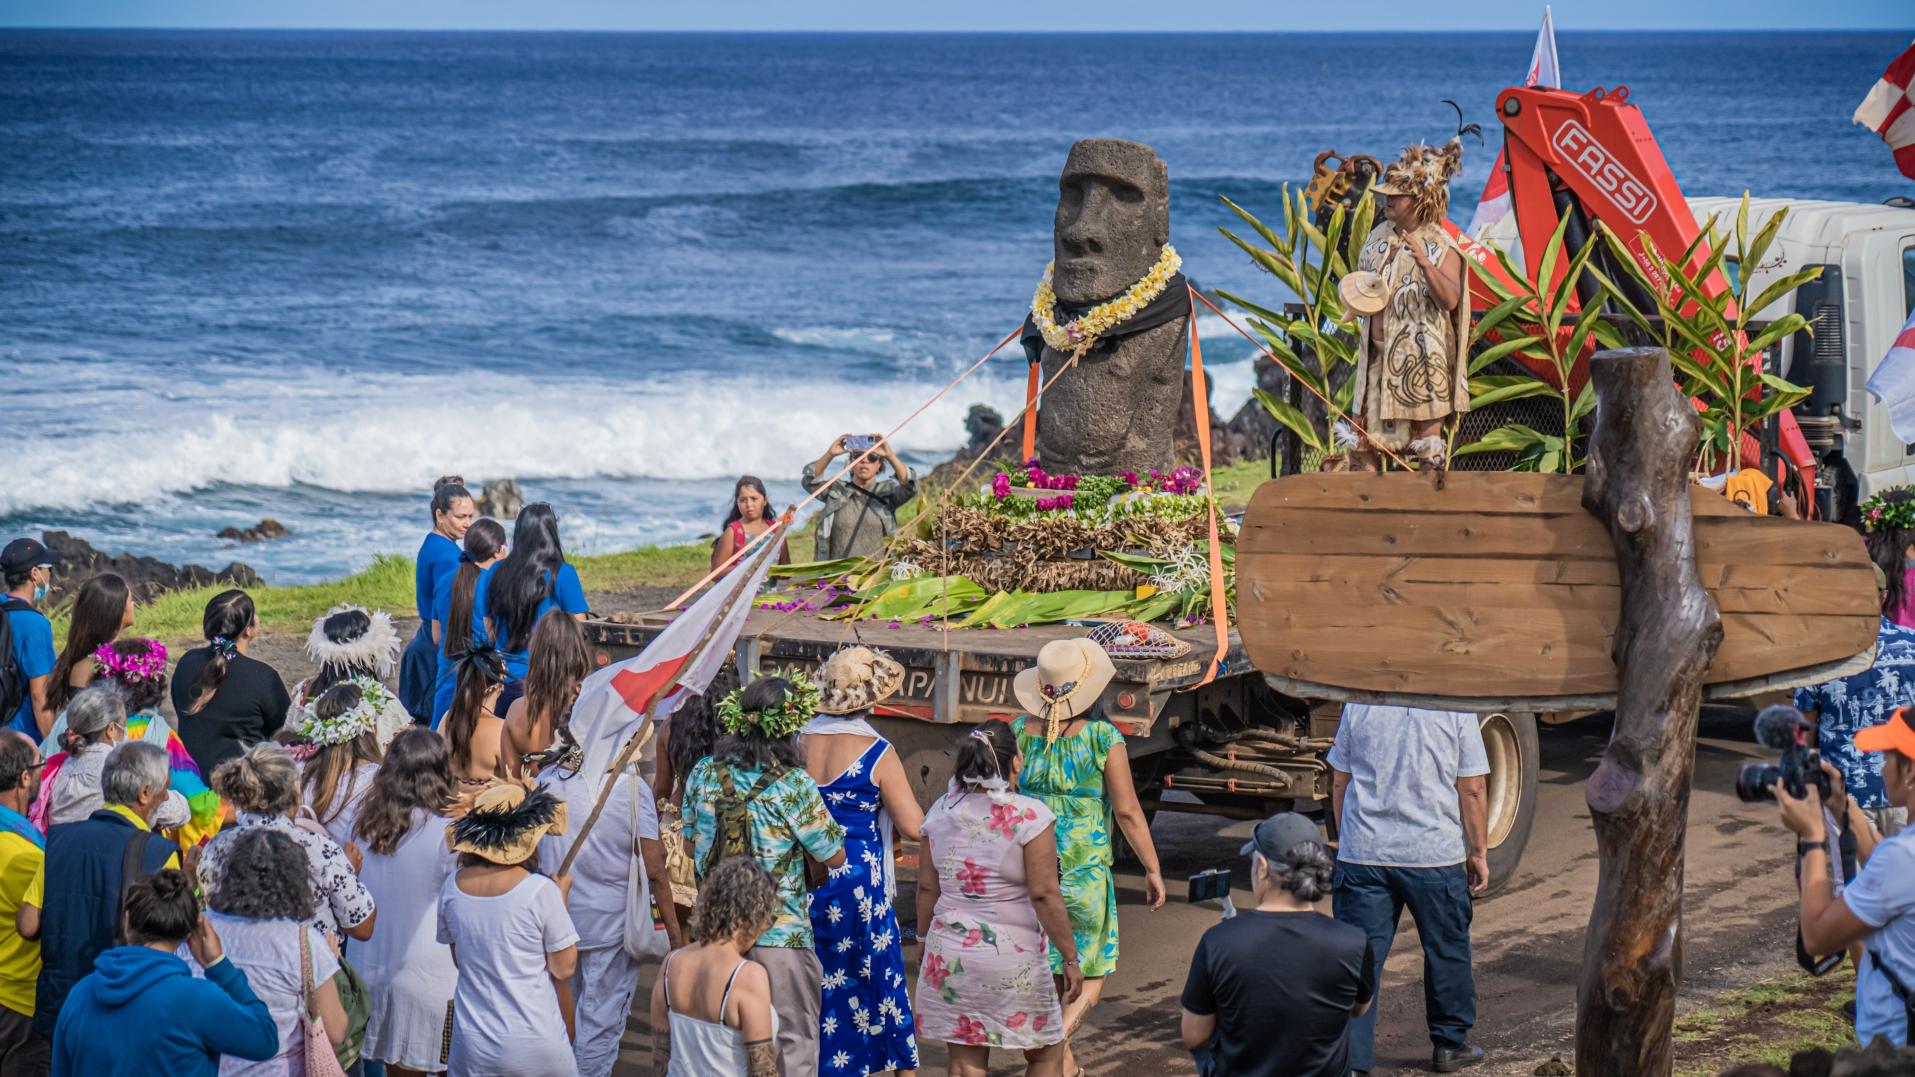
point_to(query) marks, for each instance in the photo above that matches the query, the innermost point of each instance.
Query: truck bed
(951, 675)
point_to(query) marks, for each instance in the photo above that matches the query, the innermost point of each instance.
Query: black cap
(24, 553)
(1282, 832)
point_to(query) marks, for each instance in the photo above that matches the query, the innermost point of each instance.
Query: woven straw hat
(1363, 292)
(856, 679)
(505, 823)
(1069, 677)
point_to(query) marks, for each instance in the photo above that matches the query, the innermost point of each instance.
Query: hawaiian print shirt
(340, 901)
(1854, 703)
(787, 819)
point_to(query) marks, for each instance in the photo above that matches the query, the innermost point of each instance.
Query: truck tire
(1509, 739)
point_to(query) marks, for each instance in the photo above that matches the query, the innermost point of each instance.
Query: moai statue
(1117, 410)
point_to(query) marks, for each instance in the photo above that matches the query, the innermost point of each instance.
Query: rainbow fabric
(208, 813)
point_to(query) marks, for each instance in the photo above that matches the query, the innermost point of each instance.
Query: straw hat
(1069, 677)
(856, 679)
(1363, 292)
(505, 823)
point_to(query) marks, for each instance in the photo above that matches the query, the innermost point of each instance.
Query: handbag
(356, 999)
(321, 1061)
(644, 934)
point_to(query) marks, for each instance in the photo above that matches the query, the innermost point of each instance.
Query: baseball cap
(25, 553)
(1282, 832)
(1897, 733)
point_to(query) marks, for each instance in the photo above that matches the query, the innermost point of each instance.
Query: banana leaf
(925, 596)
(1010, 609)
(815, 570)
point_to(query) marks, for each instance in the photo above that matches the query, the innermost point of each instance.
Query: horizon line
(37, 28)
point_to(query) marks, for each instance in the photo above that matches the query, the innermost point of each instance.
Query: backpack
(733, 836)
(13, 683)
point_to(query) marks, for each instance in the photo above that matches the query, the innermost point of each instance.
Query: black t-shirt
(249, 707)
(1281, 985)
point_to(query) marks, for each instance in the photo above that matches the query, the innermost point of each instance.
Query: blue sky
(1051, 15)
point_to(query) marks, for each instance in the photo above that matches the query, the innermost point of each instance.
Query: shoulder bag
(644, 935)
(321, 1061)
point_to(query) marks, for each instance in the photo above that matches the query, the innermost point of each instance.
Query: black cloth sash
(1173, 303)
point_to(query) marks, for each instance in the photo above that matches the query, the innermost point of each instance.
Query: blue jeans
(1373, 899)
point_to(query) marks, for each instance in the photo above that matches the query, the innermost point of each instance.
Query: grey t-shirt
(1400, 809)
(1882, 895)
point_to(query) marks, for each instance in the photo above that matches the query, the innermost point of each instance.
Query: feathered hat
(366, 642)
(1424, 172)
(505, 823)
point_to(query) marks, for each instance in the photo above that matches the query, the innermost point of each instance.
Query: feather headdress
(1423, 173)
(374, 649)
(505, 823)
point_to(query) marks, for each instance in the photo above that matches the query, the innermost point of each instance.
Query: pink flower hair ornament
(132, 668)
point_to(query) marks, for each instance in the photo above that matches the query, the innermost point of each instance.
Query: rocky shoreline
(148, 576)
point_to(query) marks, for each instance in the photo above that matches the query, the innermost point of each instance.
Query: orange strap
(1200, 399)
(1030, 413)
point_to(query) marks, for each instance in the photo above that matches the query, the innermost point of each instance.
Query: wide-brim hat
(1069, 677)
(856, 679)
(505, 823)
(1363, 292)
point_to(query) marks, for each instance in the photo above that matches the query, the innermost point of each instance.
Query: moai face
(1113, 219)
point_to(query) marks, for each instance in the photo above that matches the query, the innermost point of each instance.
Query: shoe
(1451, 1059)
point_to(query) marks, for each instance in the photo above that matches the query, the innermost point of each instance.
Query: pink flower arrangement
(1001, 486)
(1184, 480)
(1048, 504)
(134, 667)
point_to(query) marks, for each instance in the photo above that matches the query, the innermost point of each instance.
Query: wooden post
(1638, 485)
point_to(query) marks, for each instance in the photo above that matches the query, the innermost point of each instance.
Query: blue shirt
(565, 594)
(33, 650)
(1882, 896)
(1856, 702)
(442, 683)
(432, 571)
(1400, 809)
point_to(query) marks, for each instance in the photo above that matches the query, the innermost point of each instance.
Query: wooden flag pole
(643, 735)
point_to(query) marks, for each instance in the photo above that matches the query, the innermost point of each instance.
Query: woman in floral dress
(1075, 763)
(988, 912)
(865, 1018)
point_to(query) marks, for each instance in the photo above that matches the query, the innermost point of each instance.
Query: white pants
(602, 990)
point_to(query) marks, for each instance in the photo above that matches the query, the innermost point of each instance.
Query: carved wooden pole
(1637, 483)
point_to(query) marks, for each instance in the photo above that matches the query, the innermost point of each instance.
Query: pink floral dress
(986, 980)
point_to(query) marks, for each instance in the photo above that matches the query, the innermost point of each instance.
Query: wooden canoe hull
(1500, 591)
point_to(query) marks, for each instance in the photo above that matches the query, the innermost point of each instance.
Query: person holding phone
(860, 509)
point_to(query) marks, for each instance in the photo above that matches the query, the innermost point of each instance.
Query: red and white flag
(1494, 204)
(1889, 111)
(1893, 383)
(613, 701)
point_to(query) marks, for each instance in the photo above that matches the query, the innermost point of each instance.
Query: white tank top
(703, 1048)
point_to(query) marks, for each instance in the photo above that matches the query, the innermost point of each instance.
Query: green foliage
(1714, 352)
(1313, 345)
(1528, 324)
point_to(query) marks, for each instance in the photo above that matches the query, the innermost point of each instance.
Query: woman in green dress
(1076, 763)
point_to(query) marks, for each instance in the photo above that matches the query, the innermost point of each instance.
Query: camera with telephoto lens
(1782, 727)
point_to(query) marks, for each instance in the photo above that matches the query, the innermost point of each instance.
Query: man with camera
(1877, 907)
(860, 510)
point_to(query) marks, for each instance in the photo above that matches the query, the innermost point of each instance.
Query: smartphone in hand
(860, 443)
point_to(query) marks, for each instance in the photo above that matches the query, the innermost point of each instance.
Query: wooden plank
(1483, 493)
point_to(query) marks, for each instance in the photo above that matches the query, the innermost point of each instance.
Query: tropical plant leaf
(1552, 253)
(1512, 437)
(1292, 418)
(1500, 349)
(1270, 237)
(1522, 390)
(1776, 292)
(1494, 317)
(1781, 327)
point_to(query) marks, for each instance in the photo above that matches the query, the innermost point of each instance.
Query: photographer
(1842, 708)
(860, 510)
(1876, 905)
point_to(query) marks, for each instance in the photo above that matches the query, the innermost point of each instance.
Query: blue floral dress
(866, 1013)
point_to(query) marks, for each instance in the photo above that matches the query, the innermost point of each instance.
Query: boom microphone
(1775, 726)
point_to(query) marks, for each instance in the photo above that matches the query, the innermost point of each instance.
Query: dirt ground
(1738, 923)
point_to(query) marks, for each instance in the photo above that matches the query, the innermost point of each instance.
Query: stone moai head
(1113, 219)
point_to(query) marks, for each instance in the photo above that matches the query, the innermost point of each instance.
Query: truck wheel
(1510, 742)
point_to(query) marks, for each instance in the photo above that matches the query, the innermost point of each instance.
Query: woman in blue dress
(438, 559)
(865, 1016)
(452, 608)
(531, 582)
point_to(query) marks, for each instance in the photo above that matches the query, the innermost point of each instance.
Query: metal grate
(1542, 413)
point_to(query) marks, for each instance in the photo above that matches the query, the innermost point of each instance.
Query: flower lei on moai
(1081, 333)
(1881, 514)
(784, 720)
(362, 718)
(1034, 548)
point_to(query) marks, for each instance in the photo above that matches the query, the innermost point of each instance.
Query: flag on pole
(1893, 383)
(688, 654)
(1493, 206)
(1889, 111)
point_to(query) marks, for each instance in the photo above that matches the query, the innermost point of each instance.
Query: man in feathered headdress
(1413, 356)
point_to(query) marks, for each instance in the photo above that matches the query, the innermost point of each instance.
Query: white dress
(267, 951)
(505, 1013)
(353, 787)
(407, 970)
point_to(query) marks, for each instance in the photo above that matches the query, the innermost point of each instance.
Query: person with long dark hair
(515, 594)
(408, 971)
(750, 517)
(226, 701)
(438, 558)
(102, 610)
(685, 738)
(561, 659)
(342, 725)
(353, 645)
(473, 729)
(752, 797)
(1888, 525)
(453, 605)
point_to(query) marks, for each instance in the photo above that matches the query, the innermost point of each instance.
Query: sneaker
(1451, 1059)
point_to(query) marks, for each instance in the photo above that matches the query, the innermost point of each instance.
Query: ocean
(299, 275)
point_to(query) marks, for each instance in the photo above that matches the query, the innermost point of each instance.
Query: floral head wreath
(784, 720)
(362, 718)
(1880, 513)
(132, 668)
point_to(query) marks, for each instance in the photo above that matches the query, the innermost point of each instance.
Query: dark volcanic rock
(148, 576)
(268, 528)
(501, 499)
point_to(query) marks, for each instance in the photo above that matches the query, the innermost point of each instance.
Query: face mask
(40, 593)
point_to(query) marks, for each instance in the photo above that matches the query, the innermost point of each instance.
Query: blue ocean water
(300, 274)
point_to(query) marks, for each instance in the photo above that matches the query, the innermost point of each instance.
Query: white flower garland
(363, 718)
(1082, 333)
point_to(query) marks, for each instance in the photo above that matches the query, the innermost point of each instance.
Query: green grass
(1765, 1022)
